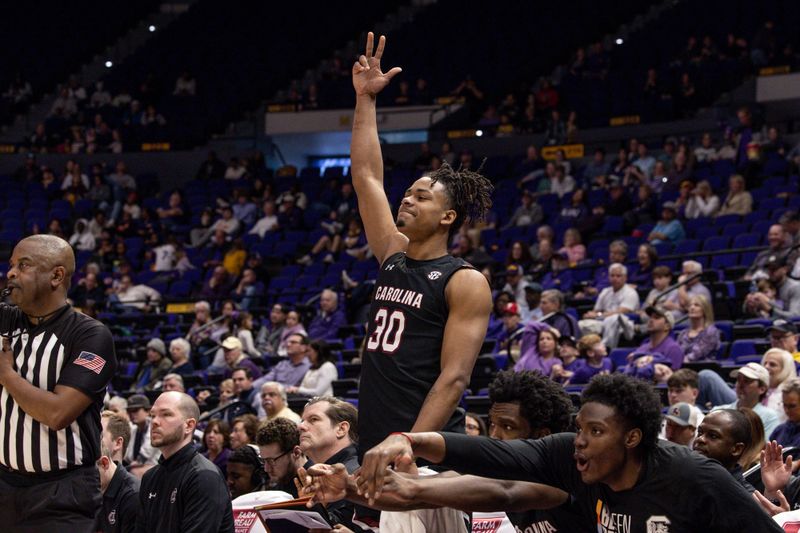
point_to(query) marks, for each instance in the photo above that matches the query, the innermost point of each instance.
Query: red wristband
(410, 442)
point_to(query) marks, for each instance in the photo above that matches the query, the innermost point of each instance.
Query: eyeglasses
(270, 461)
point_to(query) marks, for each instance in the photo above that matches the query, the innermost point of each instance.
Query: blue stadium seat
(619, 356)
(713, 244)
(742, 347)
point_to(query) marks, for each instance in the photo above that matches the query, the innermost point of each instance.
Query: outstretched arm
(470, 301)
(365, 154)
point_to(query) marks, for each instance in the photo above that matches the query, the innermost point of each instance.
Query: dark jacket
(120, 504)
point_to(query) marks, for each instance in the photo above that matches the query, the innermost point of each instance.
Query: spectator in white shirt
(235, 170)
(126, 294)
(267, 223)
(705, 153)
(82, 239)
(562, 183)
(608, 316)
(703, 202)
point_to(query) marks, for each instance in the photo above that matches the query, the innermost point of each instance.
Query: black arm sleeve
(549, 460)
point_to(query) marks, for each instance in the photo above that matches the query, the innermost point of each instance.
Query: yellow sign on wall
(571, 151)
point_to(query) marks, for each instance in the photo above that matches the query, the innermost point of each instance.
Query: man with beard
(185, 491)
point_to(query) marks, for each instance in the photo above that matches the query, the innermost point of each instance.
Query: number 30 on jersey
(388, 332)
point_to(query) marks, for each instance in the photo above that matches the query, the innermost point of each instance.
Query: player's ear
(633, 438)
(449, 217)
(58, 276)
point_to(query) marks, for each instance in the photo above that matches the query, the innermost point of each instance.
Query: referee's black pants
(65, 502)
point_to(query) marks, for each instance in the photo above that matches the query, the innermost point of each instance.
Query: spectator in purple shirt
(701, 340)
(325, 325)
(291, 370)
(595, 360)
(234, 358)
(659, 347)
(788, 433)
(538, 349)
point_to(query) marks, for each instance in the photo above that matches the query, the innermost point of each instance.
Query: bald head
(51, 252)
(181, 401)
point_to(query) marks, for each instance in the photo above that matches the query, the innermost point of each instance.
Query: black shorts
(67, 502)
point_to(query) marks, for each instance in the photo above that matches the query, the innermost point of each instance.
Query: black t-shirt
(402, 359)
(69, 349)
(678, 490)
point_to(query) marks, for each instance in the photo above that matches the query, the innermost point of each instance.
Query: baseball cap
(231, 343)
(533, 286)
(753, 371)
(514, 270)
(790, 216)
(776, 261)
(138, 401)
(511, 308)
(682, 414)
(157, 345)
(669, 205)
(568, 339)
(784, 326)
(663, 313)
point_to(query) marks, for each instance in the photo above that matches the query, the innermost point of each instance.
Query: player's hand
(324, 483)
(770, 507)
(368, 79)
(775, 472)
(395, 450)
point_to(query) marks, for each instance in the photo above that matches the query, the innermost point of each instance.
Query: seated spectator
(573, 247)
(273, 403)
(752, 305)
(234, 258)
(576, 212)
(354, 242)
(617, 253)
(201, 329)
(496, 317)
(293, 326)
(329, 318)
(644, 208)
(784, 304)
(527, 214)
(788, 433)
(330, 243)
(568, 354)
(669, 229)
(562, 183)
(180, 351)
(248, 397)
(641, 274)
(738, 201)
(703, 202)
(141, 455)
(245, 472)
(154, 369)
(705, 153)
(594, 357)
(268, 222)
(783, 334)
(658, 349)
(217, 444)
(519, 253)
(235, 358)
(597, 166)
(515, 284)
(538, 349)
(218, 285)
(228, 224)
(691, 277)
(319, 379)
(279, 444)
(82, 239)
(246, 292)
(780, 365)
(681, 424)
(290, 214)
(608, 316)
(140, 297)
(474, 425)
(243, 431)
(752, 383)
(777, 252)
(533, 297)
(88, 292)
(725, 435)
(174, 214)
(701, 340)
(269, 336)
(542, 261)
(560, 275)
(200, 234)
(290, 371)
(551, 305)
(508, 340)
(185, 85)
(682, 388)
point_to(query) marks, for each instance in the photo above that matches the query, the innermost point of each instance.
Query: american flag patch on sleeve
(92, 361)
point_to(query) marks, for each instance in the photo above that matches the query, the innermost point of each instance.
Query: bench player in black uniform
(430, 312)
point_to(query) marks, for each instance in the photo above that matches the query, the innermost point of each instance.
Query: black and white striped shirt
(68, 349)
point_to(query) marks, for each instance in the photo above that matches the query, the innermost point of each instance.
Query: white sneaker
(305, 260)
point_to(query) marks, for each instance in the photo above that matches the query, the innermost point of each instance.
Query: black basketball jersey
(403, 347)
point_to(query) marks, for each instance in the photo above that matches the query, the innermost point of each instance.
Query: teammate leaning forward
(430, 312)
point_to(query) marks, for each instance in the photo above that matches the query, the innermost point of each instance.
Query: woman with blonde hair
(701, 340)
(752, 454)
(780, 365)
(594, 352)
(702, 202)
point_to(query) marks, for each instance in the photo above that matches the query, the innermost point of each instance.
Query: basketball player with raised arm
(430, 312)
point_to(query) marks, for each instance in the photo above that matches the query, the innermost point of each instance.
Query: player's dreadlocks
(469, 193)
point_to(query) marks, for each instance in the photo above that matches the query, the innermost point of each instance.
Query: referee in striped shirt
(55, 365)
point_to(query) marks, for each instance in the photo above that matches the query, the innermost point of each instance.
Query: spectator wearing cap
(777, 240)
(560, 275)
(669, 229)
(788, 433)
(509, 338)
(235, 358)
(527, 214)
(786, 304)
(568, 353)
(594, 357)
(752, 382)
(681, 422)
(515, 284)
(290, 215)
(783, 334)
(682, 387)
(155, 368)
(329, 318)
(140, 455)
(608, 316)
(659, 346)
(533, 297)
